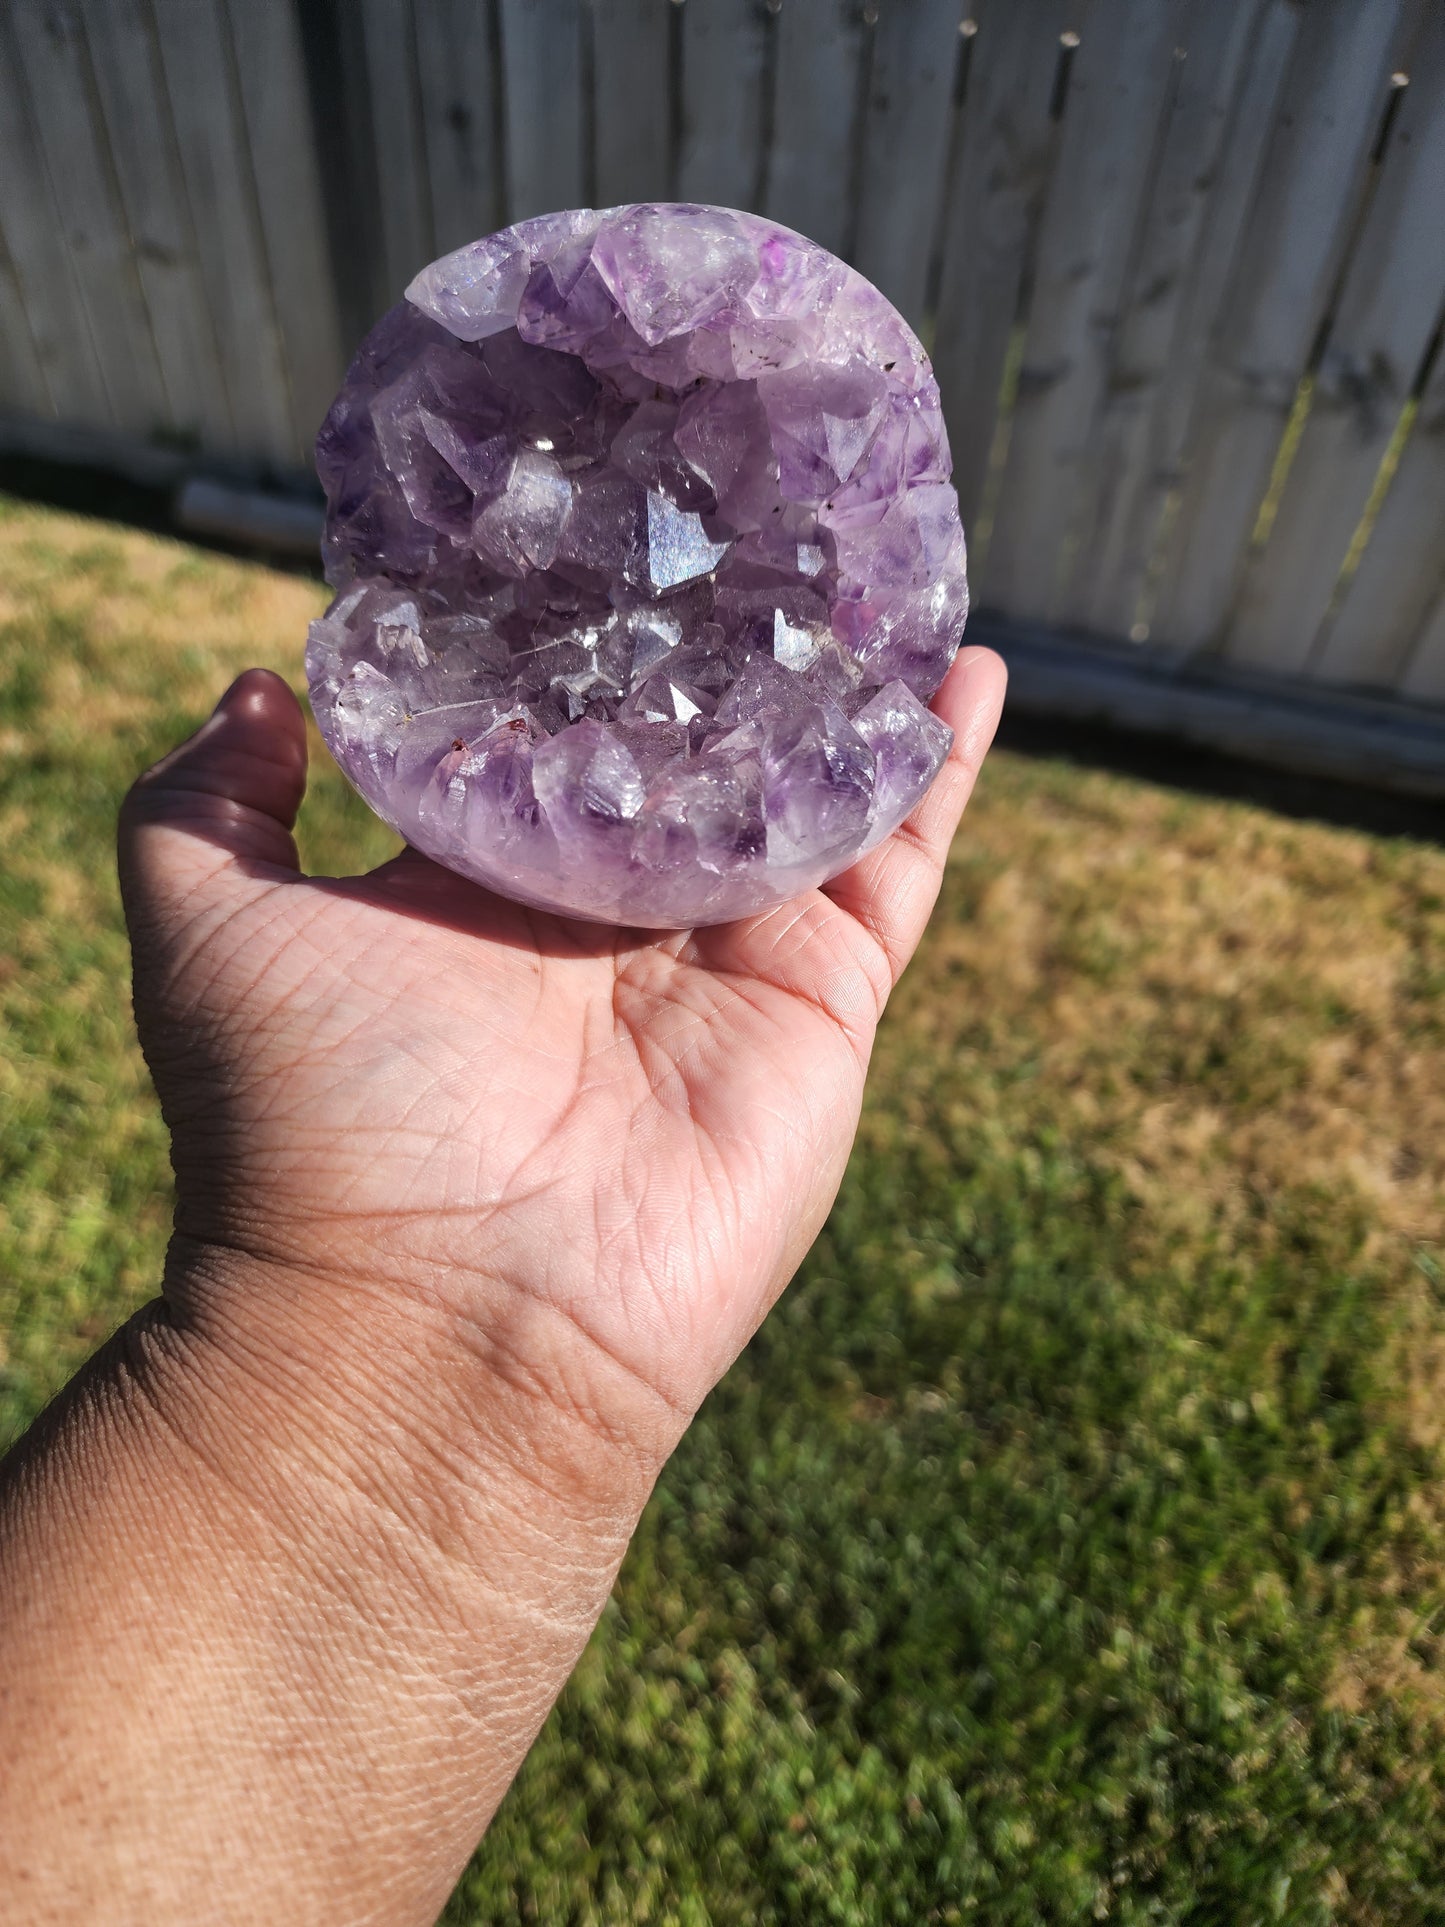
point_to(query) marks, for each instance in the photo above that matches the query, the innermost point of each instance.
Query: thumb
(222, 803)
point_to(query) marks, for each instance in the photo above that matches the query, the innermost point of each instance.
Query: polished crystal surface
(646, 564)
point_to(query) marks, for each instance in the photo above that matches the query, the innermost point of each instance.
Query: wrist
(326, 1565)
(438, 1398)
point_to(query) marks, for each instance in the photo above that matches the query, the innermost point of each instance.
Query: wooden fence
(1181, 264)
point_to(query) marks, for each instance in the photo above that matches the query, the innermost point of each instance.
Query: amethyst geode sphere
(646, 563)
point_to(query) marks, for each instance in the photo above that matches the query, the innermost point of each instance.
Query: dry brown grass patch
(1231, 1005)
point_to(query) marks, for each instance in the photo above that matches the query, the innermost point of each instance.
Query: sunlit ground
(1070, 1544)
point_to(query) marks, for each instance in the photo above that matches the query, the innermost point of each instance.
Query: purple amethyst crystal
(646, 564)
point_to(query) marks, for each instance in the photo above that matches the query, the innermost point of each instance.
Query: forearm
(287, 1586)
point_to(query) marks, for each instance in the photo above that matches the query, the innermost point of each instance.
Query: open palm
(601, 1152)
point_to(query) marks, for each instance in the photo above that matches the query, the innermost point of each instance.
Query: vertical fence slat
(1389, 305)
(55, 61)
(1424, 677)
(137, 117)
(215, 160)
(542, 68)
(405, 199)
(49, 360)
(1126, 542)
(811, 165)
(23, 386)
(41, 261)
(996, 187)
(1116, 98)
(1283, 273)
(1402, 571)
(905, 145)
(724, 70)
(632, 82)
(293, 220)
(458, 83)
(1174, 282)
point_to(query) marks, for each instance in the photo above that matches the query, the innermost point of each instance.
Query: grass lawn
(1069, 1546)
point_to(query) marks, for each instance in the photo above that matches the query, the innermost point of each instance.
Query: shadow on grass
(1203, 772)
(108, 497)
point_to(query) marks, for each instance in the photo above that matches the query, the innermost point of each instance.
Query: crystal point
(646, 563)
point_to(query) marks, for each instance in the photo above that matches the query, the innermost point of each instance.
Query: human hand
(599, 1153)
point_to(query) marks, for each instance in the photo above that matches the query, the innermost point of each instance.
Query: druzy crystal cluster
(646, 562)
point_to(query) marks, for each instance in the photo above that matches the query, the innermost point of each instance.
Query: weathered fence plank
(23, 387)
(272, 86)
(404, 194)
(542, 71)
(458, 82)
(1424, 676)
(198, 62)
(1283, 274)
(998, 180)
(55, 62)
(49, 354)
(815, 121)
(1391, 300)
(724, 68)
(35, 242)
(631, 63)
(131, 91)
(1375, 636)
(1116, 98)
(907, 122)
(1196, 199)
